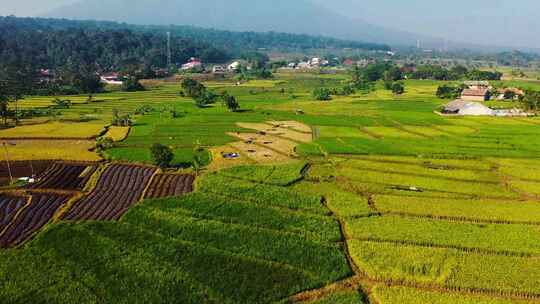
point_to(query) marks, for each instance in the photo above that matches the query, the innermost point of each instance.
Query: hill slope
(299, 16)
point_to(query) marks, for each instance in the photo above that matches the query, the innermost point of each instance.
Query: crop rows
(449, 268)
(268, 195)
(118, 188)
(474, 210)
(507, 239)
(165, 185)
(63, 176)
(32, 218)
(282, 175)
(9, 206)
(400, 294)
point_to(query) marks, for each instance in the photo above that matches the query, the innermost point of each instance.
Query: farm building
(218, 69)
(464, 107)
(349, 62)
(193, 63)
(509, 93)
(234, 67)
(481, 94)
(46, 75)
(111, 78)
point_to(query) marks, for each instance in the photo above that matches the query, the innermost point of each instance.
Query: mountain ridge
(299, 17)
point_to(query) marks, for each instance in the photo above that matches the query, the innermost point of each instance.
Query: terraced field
(436, 225)
(271, 246)
(167, 185)
(368, 198)
(118, 188)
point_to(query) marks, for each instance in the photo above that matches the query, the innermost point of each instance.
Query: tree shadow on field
(244, 111)
(182, 165)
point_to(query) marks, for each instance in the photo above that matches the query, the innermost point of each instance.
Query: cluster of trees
(390, 74)
(204, 97)
(325, 94)
(132, 84)
(531, 100)
(436, 72)
(449, 91)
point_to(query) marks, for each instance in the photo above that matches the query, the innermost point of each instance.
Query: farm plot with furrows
(32, 218)
(64, 176)
(9, 206)
(166, 185)
(119, 187)
(22, 169)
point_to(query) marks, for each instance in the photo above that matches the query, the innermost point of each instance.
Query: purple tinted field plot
(32, 218)
(119, 187)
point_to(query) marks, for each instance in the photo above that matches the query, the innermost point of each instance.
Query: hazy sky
(30, 7)
(495, 22)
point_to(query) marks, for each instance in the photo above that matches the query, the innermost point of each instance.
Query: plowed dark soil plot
(22, 169)
(165, 185)
(119, 187)
(65, 176)
(32, 218)
(9, 206)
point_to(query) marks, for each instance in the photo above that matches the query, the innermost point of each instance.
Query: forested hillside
(61, 43)
(57, 42)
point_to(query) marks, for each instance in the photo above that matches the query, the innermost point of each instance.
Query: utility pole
(8, 165)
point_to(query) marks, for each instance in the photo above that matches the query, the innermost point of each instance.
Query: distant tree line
(234, 42)
(436, 72)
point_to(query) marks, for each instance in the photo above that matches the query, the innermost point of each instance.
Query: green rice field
(390, 203)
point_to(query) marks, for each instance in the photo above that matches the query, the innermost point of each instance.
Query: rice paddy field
(368, 198)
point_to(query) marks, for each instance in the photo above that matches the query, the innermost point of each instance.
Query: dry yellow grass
(219, 162)
(271, 142)
(254, 126)
(275, 142)
(291, 124)
(287, 133)
(259, 154)
(76, 150)
(117, 133)
(54, 130)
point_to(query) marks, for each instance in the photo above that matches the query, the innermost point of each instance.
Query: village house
(193, 63)
(303, 65)
(219, 69)
(112, 78)
(45, 76)
(349, 62)
(479, 94)
(315, 62)
(234, 67)
(509, 93)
